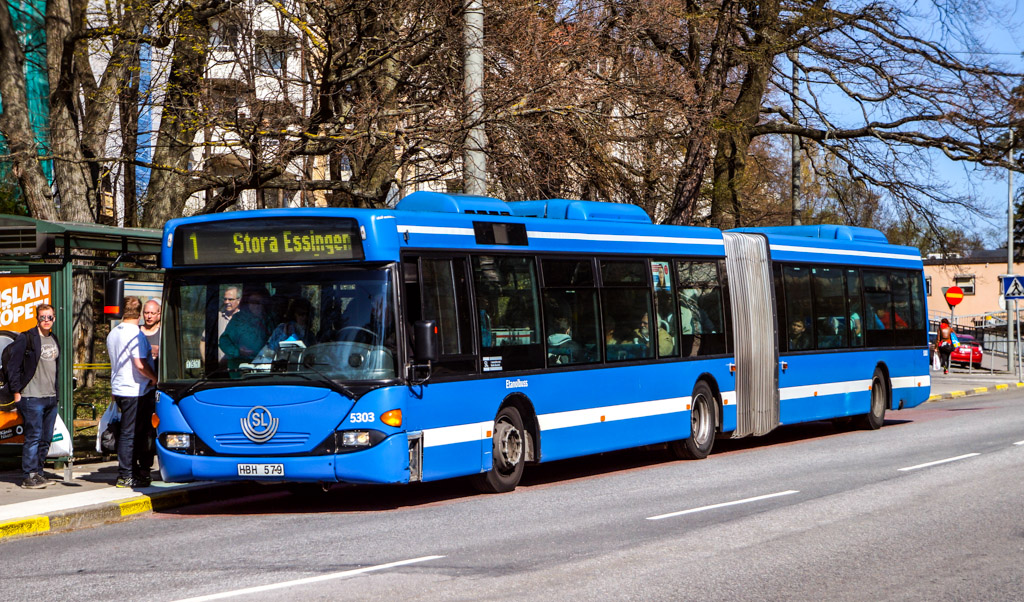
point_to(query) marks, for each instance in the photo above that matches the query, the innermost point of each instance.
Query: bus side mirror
(425, 349)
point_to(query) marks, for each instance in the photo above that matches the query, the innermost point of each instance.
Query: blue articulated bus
(460, 335)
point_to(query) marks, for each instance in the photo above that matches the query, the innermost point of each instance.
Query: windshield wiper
(330, 382)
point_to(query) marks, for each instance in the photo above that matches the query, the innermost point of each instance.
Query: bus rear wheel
(508, 454)
(702, 426)
(875, 418)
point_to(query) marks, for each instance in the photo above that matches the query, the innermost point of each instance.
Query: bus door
(754, 338)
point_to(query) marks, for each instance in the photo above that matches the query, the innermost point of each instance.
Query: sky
(1000, 31)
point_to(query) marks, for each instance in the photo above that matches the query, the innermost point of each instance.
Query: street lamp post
(474, 160)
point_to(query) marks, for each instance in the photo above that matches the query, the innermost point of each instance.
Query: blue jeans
(39, 414)
(134, 444)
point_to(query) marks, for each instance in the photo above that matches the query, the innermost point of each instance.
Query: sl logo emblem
(258, 425)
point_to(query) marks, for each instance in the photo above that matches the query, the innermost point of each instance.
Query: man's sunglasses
(46, 318)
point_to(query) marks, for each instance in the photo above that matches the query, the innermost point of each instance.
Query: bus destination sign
(267, 241)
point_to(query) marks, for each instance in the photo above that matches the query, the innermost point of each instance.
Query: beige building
(978, 276)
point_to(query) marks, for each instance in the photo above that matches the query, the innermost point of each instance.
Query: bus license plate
(261, 470)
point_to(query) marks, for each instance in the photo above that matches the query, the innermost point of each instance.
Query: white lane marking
(1019, 443)
(927, 464)
(723, 505)
(284, 584)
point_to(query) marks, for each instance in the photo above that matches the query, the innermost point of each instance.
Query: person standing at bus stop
(35, 381)
(151, 325)
(132, 382)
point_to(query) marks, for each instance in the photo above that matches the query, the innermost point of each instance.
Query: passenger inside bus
(248, 331)
(799, 338)
(561, 348)
(296, 327)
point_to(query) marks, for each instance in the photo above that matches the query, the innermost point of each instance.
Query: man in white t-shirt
(132, 382)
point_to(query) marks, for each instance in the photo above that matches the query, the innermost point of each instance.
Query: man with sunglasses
(35, 381)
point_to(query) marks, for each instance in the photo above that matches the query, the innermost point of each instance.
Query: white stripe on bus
(569, 236)
(625, 238)
(587, 416)
(849, 252)
(464, 433)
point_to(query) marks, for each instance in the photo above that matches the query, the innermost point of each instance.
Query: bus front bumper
(386, 462)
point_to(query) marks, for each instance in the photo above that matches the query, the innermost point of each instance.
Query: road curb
(975, 391)
(117, 510)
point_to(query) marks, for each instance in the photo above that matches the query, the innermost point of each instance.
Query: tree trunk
(15, 124)
(70, 171)
(180, 121)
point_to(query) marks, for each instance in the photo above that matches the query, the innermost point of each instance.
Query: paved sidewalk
(90, 497)
(960, 383)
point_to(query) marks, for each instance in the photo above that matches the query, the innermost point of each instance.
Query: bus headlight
(355, 438)
(177, 440)
(350, 441)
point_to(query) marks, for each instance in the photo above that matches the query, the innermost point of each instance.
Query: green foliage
(12, 201)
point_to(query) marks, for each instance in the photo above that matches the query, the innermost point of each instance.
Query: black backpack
(6, 395)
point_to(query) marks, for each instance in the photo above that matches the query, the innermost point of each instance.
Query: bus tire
(875, 418)
(508, 455)
(702, 426)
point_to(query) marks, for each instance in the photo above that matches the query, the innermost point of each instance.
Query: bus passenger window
(700, 314)
(855, 317)
(901, 313)
(508, 308)
(797, 280)
(829, 307)
(878, 300)
(664, 309)
(570, 312)
(626, 300)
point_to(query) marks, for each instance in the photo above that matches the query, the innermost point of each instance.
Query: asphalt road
(806, 513)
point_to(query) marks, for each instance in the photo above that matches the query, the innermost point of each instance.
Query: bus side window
(878, 309)
(799, 330)
(829, 307)
(664, 324)
(626, 303)
(701, 314)
(855, 317)
(919, 319)
(901, 313)
(508, 307)
(570, 311)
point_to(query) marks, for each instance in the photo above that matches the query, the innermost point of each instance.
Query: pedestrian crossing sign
(1013, 287)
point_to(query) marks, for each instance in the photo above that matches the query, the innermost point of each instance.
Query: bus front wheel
(702, 426)
(508, 454)
(875, 418)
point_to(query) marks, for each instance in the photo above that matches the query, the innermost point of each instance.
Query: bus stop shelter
(38, 261)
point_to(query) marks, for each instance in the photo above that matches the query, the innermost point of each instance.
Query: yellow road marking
(24, 526)
(957, 393)
(137, 505)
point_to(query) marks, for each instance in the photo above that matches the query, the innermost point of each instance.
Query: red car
(969, 351)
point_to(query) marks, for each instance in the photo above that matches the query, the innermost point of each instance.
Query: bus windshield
(333, 324)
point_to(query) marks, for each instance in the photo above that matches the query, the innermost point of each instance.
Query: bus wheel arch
(511, 447)
(717, 393)
(704, 414)
(881, 399)
(531, 426)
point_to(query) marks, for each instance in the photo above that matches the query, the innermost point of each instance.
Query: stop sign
(954, 295)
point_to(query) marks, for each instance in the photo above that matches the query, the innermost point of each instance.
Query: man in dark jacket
(35, 381)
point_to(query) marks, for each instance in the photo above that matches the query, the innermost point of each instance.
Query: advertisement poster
(19, 296)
